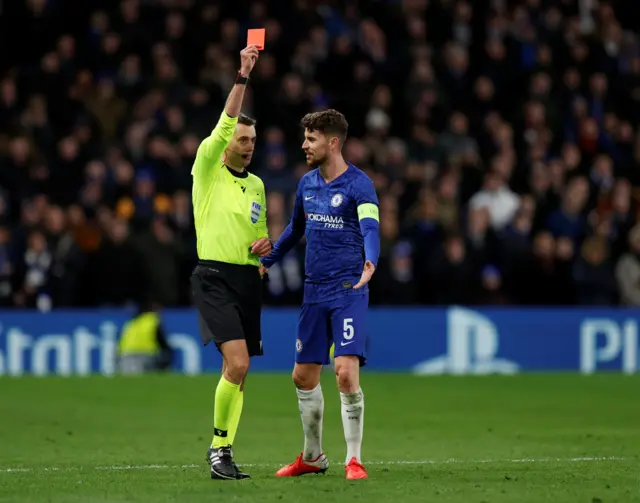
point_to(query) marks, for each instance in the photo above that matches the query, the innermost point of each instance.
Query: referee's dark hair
(246, 120)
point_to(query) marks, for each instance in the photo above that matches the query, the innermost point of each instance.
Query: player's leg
(312, 352)
(306, 378)
(348, 330)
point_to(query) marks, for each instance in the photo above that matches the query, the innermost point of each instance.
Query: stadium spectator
(628, 271)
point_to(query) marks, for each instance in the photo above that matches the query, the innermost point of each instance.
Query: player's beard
(316, 160)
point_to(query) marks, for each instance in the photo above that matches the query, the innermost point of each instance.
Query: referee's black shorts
(228, 298)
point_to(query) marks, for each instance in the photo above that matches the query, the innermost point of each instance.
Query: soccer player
(231, 227)
(336, 207)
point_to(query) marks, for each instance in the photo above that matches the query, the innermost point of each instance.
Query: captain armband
(368, 210)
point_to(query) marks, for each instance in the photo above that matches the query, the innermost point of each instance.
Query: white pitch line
(455, 461)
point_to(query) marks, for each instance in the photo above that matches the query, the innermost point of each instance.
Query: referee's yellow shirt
(229, 208)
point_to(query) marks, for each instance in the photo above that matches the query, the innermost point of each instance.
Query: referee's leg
(220, 322)
(235, 363)
(229, 399)
(224, 369)
(237, 368)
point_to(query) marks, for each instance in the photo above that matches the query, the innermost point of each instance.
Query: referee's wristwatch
(240, 79)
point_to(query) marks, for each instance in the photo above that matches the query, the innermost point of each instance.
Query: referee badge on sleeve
(256, 208)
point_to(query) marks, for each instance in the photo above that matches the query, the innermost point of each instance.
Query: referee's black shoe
(222, 465)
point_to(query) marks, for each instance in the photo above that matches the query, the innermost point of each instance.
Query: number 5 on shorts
(347, 329)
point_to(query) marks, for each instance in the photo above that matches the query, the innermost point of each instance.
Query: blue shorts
(340, 321)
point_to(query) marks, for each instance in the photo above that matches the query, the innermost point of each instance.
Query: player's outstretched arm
(291, 235)
(371, 232)
(214, 145)
(369, 217)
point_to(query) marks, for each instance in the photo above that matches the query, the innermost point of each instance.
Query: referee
(231, 227)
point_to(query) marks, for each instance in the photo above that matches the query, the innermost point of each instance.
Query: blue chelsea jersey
(335, 244)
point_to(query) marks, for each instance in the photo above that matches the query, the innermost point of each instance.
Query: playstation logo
(472, 345)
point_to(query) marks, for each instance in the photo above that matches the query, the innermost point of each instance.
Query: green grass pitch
(493, 439)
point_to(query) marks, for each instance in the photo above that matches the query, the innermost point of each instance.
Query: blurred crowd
(502, 137)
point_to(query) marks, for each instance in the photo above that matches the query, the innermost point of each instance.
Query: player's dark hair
(327, 122)
(246, 120)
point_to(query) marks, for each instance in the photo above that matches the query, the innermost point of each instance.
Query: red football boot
(301, 467)
(355, 470)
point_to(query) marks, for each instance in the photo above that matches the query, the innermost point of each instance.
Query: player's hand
(263, 271)
(248, 57)
(261, 247)
(368, 271)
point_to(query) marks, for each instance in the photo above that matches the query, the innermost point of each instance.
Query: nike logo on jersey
(306, 198)
(346, 343)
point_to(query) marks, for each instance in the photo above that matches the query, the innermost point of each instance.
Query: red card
(256, 37)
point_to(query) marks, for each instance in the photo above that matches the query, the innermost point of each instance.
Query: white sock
(311, 404)
(353, 423)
